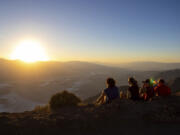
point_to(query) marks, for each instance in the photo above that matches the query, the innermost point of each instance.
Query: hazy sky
(94, 30)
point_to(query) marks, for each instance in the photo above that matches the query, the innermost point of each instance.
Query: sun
(29, 51)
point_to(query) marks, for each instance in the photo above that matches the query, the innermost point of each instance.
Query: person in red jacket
(161, 89)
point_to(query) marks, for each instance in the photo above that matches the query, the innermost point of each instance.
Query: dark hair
(146, 81)
(132, 81)
(111, 82)
(161, 81)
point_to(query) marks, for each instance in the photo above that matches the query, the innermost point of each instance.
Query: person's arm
(128, 93)
(101, 98)
(156, 91)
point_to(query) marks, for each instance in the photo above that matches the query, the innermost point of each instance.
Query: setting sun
(29, 51)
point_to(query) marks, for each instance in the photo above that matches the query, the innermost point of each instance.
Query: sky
(109, 31)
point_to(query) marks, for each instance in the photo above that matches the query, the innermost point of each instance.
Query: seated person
(149, 90)
(133, 88)
(110, 93)
(161, 89)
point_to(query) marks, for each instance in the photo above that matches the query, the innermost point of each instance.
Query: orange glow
(29, 51)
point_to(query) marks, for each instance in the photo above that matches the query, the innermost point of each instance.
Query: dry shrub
(63, 99)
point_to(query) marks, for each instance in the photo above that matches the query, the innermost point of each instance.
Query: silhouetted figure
(133, 88)
(110, 93)
(149, 90)
(161, 89)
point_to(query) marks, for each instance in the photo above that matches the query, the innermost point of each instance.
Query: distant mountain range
(168, 75)
(150, 66)
(17, 70)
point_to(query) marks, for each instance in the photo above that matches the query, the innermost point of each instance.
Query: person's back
(162, 89)
(149, 93)
(112, 93)
(134, 90)
(149, 90)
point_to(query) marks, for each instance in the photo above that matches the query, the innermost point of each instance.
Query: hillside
(161, 116)
(175, 85)
(150, 66)
(168, 75)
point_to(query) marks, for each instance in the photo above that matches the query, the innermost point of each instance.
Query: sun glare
(29, 51)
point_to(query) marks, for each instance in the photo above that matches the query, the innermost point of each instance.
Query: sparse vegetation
(63, 99)
(42, 109)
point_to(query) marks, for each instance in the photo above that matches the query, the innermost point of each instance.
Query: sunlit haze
(104, 31)
(29, 51)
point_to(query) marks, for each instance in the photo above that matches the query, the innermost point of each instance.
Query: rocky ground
(160, 116)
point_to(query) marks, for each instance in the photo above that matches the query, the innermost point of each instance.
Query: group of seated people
(146, 93)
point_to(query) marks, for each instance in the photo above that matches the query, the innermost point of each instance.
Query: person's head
(146, 83)
(110, 82)
(161, 82)
(132, 81)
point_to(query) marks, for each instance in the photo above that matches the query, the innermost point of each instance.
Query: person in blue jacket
(110, 93)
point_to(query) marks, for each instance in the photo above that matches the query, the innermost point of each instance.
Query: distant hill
(175, 85)
(17, 70)
(168, 75)
(150, 66)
